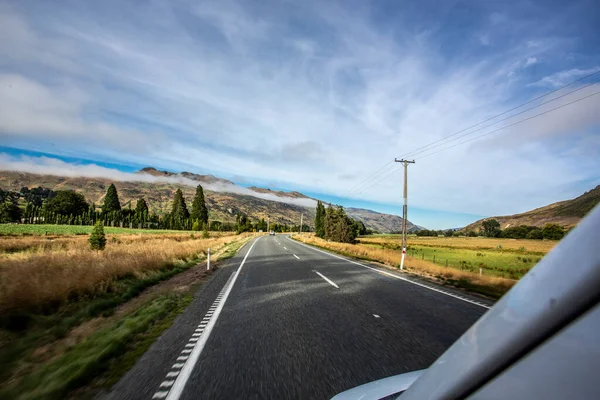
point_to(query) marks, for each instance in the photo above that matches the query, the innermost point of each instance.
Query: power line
(366, 180)
(379, 180)
(506, 112)
(513, 124)
(386, 171)
(416, 153)
(480, 136)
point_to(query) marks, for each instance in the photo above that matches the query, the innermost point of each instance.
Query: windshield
(275, 199)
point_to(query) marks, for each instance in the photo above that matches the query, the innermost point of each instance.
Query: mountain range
(224, 198)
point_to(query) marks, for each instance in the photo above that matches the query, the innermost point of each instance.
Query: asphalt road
(297, 323)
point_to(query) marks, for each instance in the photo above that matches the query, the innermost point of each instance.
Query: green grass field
(24, 229)
(507, 258)
(507, 264)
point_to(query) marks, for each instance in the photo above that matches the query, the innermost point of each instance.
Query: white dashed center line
(376, 316)
(285, 247)
(296, 256)
(327, 280)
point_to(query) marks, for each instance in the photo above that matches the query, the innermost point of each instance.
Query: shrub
(97, 239)
(205, 234)
(196, 226)
(553, 232)
(535, 234)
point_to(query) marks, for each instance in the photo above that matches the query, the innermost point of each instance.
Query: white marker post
(208, 260)
(402, 261)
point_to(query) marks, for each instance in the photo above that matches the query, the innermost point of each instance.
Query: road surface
(283, 320)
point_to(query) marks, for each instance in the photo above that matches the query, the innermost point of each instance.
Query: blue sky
(312, 96)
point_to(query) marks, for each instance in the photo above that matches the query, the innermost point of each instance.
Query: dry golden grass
(420, 267)
(538, 246)
(66, 267)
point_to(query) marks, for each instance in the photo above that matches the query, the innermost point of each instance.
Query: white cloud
(54, 166)
(237, 92)
(530, 61)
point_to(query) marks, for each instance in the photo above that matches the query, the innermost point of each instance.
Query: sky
(314, 96)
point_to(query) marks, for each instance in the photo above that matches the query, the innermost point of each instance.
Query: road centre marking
(296, 256)
(396, 276)
(332, 283)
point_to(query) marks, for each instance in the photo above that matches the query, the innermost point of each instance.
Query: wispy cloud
(561, 78)
(312, 96)
(56, 167)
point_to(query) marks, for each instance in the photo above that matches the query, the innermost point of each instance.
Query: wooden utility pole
(405, 208)
(301, 216)
(268, 223)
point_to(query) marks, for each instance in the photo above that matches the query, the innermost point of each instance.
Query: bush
(535, 234)
(553, 232)
(97, 239)
(196, 226)
(205, 234)
(471, 234)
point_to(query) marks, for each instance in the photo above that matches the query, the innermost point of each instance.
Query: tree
(9, 212)
(553, 232)
(199, 210)
(67, 202)
(448, 233)
(111, 200)
(141, 208)
(179, 212)
(97, 239)
(491, 227)
(320, 220)
(535, 234)
(360, 228)
(338, 226)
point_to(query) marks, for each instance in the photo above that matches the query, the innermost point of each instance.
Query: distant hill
(381, 222)
(567, 213)
(224, 202)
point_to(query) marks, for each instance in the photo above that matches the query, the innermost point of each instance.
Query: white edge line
(394, 276)
(332, 283)
(296, 256)
(186, 371)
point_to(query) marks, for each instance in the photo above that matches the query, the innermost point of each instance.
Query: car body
(272, 233)
(539, 341)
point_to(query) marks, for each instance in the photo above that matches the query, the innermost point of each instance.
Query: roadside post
(208, 260)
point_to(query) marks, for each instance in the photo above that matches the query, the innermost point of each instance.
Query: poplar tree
(111, 200)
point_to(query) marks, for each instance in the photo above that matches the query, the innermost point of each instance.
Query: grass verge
(73, 342)
(115, 347)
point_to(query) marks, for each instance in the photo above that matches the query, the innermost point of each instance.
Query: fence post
(208, 260)
(480, 271)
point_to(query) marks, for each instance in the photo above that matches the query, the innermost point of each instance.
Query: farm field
(506, 258)
(51, 229)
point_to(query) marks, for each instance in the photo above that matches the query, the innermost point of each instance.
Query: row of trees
(334, 224)
(491, 228)
(69, 207)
